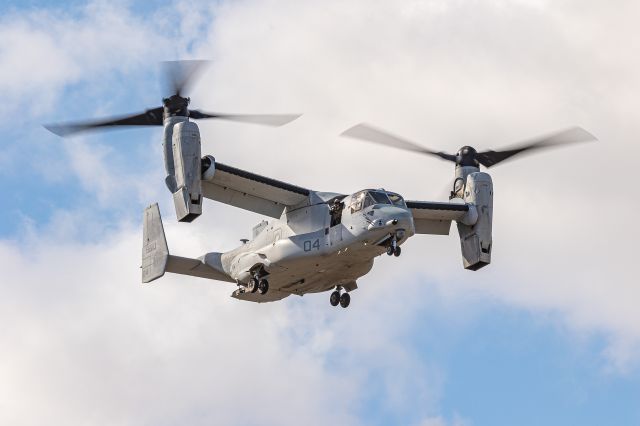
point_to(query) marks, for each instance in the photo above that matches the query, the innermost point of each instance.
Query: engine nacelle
(208, 167)
(187, 171)
(476, 240)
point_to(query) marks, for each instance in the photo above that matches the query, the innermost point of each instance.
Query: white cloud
(44, 50)
(439, 421)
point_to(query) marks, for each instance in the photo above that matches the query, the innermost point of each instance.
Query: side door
(352, 205)
(335, 234)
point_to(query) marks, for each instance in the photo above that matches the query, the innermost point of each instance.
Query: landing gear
(253, 285)
(263, 286)
(393, 249)
(334, 299)
(339, 298)
(345, 299)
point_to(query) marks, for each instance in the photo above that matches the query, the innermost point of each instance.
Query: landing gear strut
(339, 298)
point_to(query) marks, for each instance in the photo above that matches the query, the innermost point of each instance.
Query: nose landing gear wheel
(263, 286)
(345, 299)
(334, 299)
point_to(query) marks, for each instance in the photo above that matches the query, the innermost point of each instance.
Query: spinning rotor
(468, 156)
(179, 75)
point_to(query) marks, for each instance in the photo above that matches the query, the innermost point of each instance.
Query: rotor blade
(572, 135)
(151, 117)
(369, 133)
(265, 119)
(179, 75)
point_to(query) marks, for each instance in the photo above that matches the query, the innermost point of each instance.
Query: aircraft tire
(397, 251)
(345, 299)
(334, 299)
(252, 286)
(263, 286)
(390, 250)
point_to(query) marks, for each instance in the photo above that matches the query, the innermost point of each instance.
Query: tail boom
(156, 259)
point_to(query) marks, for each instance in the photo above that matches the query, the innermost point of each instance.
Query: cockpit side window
(357, 201)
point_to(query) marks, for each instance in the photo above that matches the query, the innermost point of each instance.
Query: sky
(549, 333)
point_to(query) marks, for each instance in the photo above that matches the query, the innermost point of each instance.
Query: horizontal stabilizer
(202, 267)
(156, 259)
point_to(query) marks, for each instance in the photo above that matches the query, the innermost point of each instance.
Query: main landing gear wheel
(334, 299)
(263, 286)
(397, 251)
(345, 299)
(390, 250)
(252, 286)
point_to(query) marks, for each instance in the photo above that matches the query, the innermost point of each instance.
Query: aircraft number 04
(310, 245)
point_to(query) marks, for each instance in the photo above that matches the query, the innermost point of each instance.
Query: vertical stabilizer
(155, 252)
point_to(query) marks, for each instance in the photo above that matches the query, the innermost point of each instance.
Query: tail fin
(155, 252)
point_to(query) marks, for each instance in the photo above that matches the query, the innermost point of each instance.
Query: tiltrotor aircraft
(314, 241)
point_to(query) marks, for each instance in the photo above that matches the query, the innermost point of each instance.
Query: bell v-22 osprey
(314, 241)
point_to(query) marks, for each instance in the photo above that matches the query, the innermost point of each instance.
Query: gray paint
(187, 170)
(154, 245)
(475, 239)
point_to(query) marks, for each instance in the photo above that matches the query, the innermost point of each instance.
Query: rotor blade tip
(587, 134)
(55, 129)
(293, 117)
(350, 130)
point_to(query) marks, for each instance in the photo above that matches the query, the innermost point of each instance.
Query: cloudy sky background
(548, 334)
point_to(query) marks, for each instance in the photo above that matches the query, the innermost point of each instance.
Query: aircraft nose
(397, 212)
(393, 216)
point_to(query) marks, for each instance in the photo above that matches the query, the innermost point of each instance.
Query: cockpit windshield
(396, 199)
(364, 199)
(379, 197)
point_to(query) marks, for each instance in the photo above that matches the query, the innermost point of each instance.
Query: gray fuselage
(302, 253)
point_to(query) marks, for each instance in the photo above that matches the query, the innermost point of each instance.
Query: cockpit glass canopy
(396, 199)
(379, 197)
(364, 199)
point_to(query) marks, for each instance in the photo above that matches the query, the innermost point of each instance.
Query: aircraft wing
(250, 191)
(435, 218)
